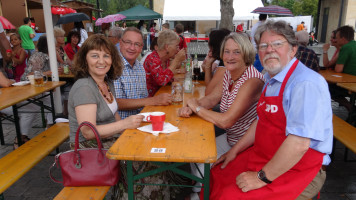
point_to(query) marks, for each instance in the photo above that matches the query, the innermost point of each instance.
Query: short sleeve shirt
(131, 85)
(24, 32)
(307, 106)
(347, 57)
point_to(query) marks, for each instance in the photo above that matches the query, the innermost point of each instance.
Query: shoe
(24, 138)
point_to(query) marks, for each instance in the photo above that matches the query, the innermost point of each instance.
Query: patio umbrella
(72, 17)
(110, 18)
(273, 10)
(6, 24)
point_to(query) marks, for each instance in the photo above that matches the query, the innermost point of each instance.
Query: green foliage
(299, 7)
(114, 6)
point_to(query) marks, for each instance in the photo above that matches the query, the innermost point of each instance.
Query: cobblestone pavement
(36, 185)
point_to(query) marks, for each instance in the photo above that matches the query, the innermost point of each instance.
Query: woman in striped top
(241, 90)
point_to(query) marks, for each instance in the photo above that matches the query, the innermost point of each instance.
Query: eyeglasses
(274, 45)
(129, 43)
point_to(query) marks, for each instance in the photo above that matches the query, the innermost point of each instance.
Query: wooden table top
(194, 142)
(349, 86)
(70, 75)
(16, 94)
(333, 77)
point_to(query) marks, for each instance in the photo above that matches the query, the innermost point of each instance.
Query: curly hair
(71, 34)
(97, 42)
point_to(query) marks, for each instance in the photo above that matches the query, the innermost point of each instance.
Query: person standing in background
(27, 34)
(78, 26)
(300, 27)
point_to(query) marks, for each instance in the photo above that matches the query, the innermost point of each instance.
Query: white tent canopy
(192, 10)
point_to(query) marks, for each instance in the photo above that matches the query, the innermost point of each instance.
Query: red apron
(270, 134)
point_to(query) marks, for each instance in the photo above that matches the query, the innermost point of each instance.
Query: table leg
(353, 109)
(17, 124)
(52, 105)
(130, 180)
(1, 133)
(206, 181)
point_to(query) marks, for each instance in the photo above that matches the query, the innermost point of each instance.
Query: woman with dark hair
(212, 65)
(71, 47)
(92, 97)
(38, 60)
(79, 27)
(332, 62)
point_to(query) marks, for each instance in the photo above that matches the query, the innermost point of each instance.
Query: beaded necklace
(110, 98)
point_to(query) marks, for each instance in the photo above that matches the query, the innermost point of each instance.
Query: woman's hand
(180, 56)
(225, 159)
(60, 70)
(326, 47)
(133, 121)
(193, 103)
(185, 112)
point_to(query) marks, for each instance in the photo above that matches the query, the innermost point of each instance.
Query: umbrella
(273, 10)
(6, 24)
(110, 18)
(72, 17)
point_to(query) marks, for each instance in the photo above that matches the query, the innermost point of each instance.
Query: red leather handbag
(87, 167)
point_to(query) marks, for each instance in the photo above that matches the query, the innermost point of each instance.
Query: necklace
(231, 84)
(110, 98)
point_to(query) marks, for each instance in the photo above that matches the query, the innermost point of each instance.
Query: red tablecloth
(194, 39)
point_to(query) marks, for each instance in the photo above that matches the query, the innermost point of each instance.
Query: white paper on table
(167, 128)
(61, 120)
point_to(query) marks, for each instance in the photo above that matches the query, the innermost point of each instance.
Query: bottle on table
(65, 65)
(188, 83)
(188, 67)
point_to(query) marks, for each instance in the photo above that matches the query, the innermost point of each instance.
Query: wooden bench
(83, 193)
(344, 133)
(17, 163)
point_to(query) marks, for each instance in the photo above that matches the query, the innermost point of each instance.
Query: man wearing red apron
(282, 153)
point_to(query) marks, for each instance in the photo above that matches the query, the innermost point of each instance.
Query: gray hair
(166, 37)
(132, 29)
(246, 47)
(278, 27)
(302, 37)
(116, 32)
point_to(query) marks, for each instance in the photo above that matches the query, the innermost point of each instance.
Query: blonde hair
(58, 32)
(246, 47)
(166, 37)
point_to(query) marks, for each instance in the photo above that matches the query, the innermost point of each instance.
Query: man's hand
(248, 181)
(185, 112)
(180, 56)
(164, 99)
(133, 121)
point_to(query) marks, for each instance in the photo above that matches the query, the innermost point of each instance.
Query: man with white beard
(284, 153)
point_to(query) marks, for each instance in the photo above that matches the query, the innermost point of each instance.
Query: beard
(274, 68)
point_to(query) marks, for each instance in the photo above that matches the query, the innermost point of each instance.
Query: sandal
(24, 138)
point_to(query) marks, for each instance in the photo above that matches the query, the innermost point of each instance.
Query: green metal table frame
(131, 178)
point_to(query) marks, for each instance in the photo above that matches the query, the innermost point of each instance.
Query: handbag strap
(95, 131)
(50, 171)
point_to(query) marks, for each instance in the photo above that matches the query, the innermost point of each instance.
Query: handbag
(88, 166)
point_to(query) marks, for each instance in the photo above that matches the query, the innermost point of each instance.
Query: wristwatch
(197, 109)
(262, 176)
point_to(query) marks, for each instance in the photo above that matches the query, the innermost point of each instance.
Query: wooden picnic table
(11, 96)
(193, 143)
(333, 77)
(351, 87)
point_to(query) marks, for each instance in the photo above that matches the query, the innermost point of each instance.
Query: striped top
(235, 132)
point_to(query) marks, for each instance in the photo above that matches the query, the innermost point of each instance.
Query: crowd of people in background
(261, 89)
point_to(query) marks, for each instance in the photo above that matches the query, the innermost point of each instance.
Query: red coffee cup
(8, 50)
(157, 120)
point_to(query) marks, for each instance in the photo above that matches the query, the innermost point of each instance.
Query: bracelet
(325, 51)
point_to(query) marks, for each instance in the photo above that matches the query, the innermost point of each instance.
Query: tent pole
(52, 53)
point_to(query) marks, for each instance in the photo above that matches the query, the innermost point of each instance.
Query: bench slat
(345, 133)
(15, 164)
(83, 193)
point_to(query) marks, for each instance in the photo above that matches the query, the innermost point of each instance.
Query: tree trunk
(227, 14)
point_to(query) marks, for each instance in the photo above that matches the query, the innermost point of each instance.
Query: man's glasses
(129, 43)
(274, 45)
